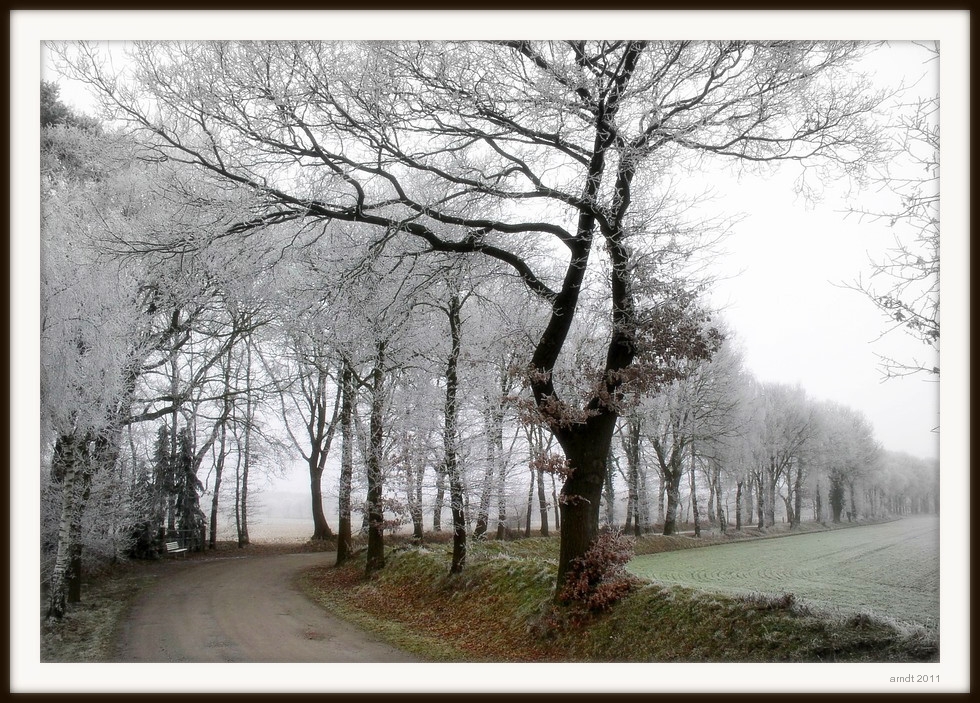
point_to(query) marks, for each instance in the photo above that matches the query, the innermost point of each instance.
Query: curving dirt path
(242, 609)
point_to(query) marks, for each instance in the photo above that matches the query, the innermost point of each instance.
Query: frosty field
(889, 570)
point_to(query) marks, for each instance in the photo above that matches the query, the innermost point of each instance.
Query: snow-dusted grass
(888, 570)
(501, 609)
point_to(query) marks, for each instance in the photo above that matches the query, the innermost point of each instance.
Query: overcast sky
(790, 260)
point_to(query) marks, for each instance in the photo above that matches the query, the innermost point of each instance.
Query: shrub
(598, 579)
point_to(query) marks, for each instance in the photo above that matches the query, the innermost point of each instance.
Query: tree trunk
(722, 517)
(738, 505)
(772, 478)
(749, 497)
(673, 502)
(440, 498)
(631, 445)
(836, 497)
(643, 494)
(542, 504)
(554, 502)
(170, 495)
(853, 512)
(375, 508)
(673, 473)
(344, 529)
(661, 496)
(459, 522)
(450, 441)
(320, 430)
(243, 538)
(238, 497)
(218, 469)
(321, 530)
(219, 464)
(586, 449)
(415, 479)
(104, 453)
(711, 496)
(498, 438)
(483, 512)
(798, 495)
(75, 467)
(502, 500)
(760, 496)
(694, 494)
(670, 483)
(608, 494)
(788, 502)
(530, 504)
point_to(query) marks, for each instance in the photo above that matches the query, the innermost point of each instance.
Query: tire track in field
(890, 569)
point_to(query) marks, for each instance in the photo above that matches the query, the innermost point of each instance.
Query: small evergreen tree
(143, 543)
(191, 520)
(162, 478)
(55, 113)
(836, 496)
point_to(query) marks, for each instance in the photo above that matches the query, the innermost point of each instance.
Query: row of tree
(277, 244)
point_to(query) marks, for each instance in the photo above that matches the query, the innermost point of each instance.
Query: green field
(889, 570)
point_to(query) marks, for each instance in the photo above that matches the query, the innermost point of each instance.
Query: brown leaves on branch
(552, 464)
(599, 579)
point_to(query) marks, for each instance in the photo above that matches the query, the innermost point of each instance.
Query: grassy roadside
(499, 610)
(89, 631)
(479, 615)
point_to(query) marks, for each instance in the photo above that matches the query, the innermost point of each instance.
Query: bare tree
(311, 391)
(103, 325)
(848, 451)
(787, 425)
(904, 285)
(344, 532)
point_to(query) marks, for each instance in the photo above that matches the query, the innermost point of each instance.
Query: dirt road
(241, 609)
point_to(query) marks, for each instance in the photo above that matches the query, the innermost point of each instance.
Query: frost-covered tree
(904, 285)
(848, 453)
(95, 330)
(119, 300)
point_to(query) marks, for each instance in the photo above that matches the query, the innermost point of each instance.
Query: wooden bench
(174, 548)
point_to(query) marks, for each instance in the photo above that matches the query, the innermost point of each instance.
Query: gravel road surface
(242, 609)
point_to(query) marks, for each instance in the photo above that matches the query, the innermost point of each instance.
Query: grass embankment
(499, 609)
(88, 632)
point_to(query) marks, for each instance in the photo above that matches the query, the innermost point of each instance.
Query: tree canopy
(565, 164)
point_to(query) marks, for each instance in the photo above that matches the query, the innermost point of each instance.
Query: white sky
(795, 326)
(797, 323)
